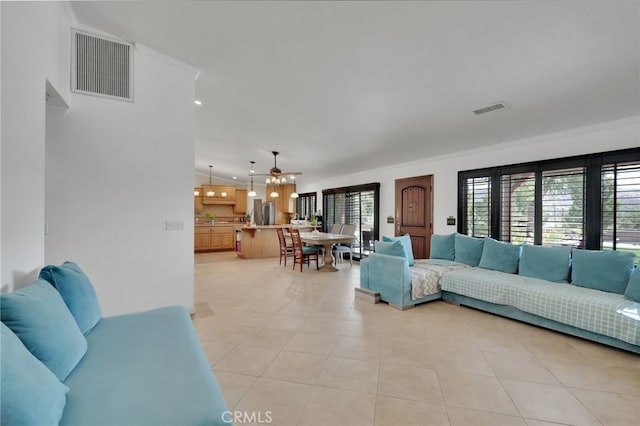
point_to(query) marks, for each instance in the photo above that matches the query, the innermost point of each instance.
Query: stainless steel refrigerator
(269, 213)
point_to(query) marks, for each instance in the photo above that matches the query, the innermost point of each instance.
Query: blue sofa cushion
(546, 263)
(406, 242)
(500, 256)
(606, 270)
(31, 393)
(468, 250)
(38, 316)
(395, 248)
(443, 247)
(632, 291)
(146, 368)
(76, 291)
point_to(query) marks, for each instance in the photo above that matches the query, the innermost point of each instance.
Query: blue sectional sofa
(590, 294)
(64, 364)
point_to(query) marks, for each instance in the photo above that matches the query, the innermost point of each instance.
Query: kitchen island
(260, 241)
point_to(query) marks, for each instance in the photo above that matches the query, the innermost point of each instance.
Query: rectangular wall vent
(490, 108)
(101, 66)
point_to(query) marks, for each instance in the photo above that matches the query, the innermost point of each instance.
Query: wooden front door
(414, 212)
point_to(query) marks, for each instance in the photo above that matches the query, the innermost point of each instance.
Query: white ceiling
(341, 87)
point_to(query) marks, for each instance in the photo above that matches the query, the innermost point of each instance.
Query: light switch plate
(174, 225)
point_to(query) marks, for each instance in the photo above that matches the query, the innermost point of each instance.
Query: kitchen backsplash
(222, 214)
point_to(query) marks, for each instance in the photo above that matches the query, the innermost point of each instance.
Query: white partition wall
(116, 173)
(101, 176)
(35, 49)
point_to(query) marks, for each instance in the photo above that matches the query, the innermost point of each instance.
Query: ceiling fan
(275, 175)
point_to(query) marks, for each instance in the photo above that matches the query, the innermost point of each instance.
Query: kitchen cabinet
(241, 201)
(288, 204)
(217, 197)
(222, 237)
(214, 238)
(202, 238)
(197, 201)
(207, 188)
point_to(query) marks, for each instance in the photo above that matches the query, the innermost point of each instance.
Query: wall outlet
(451, 220)
(174, 225)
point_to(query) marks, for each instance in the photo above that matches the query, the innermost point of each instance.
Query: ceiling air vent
(101, 66)
(495, 107)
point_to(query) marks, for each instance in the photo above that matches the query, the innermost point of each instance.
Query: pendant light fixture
(210, 192)
(252, 192)
(294, 194)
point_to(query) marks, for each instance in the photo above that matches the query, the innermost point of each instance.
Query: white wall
(1, 276)
(116, 171)
(604, 137)
(35, 48)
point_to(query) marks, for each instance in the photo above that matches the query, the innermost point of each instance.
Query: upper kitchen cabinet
(241, 201)
(228, 193)
(208, 193)
(218, 194)
(197, 200)
(288, 203)
(283, 201)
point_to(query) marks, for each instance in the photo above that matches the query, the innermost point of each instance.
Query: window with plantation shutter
(306, 205)
(334, 210)
(621, 207)
(563, 195)
(588, 201)
(517, 205)
(357, 205)
(477, 222)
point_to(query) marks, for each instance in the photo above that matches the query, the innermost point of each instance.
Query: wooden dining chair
(302, 253)
(286, 249)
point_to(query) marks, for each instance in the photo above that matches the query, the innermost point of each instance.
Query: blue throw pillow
(468, 250)
(606, 270)
(31, 393)
(546, 263)
(500, 256)
(408, 249)
(76, 291)
(394, 248)
(633, 287)
(443, 246)
(38, 316)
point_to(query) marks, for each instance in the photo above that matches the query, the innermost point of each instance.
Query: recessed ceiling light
(197, 102)
(235, 177)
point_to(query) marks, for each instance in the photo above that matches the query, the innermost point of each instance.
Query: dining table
(327, 240)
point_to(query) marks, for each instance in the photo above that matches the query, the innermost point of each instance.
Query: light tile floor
(298, 349)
